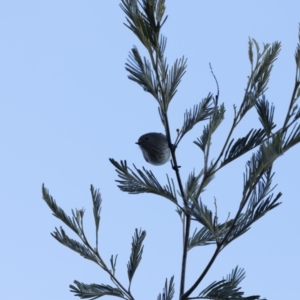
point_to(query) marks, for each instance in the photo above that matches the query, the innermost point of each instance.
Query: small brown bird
(155, 148)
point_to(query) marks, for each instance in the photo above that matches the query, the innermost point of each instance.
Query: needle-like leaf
(227, 288)
(94, 291)
(143, 181)
(169, 290)
(136, 252)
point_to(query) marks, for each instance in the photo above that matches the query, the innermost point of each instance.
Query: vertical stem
(187, 217)
(184, 254)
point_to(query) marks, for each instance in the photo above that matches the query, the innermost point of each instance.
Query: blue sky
(67, 106)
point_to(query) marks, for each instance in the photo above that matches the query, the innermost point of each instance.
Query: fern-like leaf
(143, 181)
(169, 290)
(136, 252)
(253, 139)
(266, 114)
(200, 112)
(227, 288)
(94, 291)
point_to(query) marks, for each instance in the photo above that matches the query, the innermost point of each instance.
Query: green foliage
(94, 291)
(201, 237)
(252, 139)
(169, 290)
(266, 114)
(200, 112)
(136, 252)
(227, 288)
(145, 19)
(264, 145)
(143, 181)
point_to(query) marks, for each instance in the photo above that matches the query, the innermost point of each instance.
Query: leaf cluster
(142, 181)
(145, 18)
(94, 291)
(227, 288)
